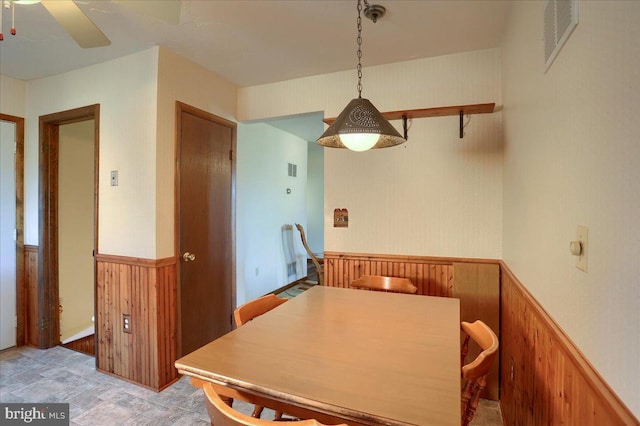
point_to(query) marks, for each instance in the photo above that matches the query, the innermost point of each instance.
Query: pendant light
(360, 126)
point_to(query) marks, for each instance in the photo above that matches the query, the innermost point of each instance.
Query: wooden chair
(474, 374)
(255, 308)
(390, 284)
(249, 311)
(318, 262)
(223, 415)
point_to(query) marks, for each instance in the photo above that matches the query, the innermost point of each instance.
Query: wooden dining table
(343, 356)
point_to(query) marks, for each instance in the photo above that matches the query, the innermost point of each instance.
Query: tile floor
(96, 399)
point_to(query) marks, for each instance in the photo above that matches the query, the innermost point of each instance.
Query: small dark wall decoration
(340, 218)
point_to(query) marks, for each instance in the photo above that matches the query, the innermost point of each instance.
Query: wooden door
(205, 215)
(8, 234)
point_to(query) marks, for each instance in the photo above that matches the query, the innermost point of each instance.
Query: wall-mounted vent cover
(291, 269)
(560, 18)
(293, 170)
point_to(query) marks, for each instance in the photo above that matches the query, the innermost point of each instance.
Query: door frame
(21, 300)
(180, 108)
(48, 285)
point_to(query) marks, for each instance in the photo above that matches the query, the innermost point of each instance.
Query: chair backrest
(223, 415)
(474, 373)
(314, 259)
(256, 307)
(390, 284)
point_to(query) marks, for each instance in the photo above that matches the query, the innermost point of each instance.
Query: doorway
(205, 188)
(76, 234)
(50, 201)
(12, 291)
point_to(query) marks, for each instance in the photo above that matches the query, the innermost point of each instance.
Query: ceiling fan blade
(166, 10)
(76, 23)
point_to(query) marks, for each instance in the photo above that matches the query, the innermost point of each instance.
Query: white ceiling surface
(259, 41)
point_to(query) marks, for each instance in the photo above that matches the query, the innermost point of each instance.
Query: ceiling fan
(82, 29)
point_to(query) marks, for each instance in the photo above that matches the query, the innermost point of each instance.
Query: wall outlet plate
(126, 323)
(583, 237)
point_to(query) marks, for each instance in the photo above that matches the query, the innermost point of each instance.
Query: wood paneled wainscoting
(476, 282)
(545, 379)
(433, 276)
(145, 291)
(86, 345)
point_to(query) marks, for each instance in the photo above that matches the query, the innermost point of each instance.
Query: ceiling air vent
(560, 18)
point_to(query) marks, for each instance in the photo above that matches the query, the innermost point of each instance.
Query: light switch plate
(583, 237)
(114, 178)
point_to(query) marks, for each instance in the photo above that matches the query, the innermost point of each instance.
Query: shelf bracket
(461, 124)
(404, 126)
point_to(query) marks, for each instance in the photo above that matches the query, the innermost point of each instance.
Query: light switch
(114, 178)
(583, 238)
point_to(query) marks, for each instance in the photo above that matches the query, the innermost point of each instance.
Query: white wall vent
(291, 269)
(560, 19)
(293, 170)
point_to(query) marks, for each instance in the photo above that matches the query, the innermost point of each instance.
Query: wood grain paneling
(477, 285)
(146, 291)
(86, 345)
(31, 321)
(545, 379)
(432, 276)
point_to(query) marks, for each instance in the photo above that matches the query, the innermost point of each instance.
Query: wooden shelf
(434, 112)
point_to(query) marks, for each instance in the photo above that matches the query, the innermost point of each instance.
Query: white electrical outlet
(583, 238)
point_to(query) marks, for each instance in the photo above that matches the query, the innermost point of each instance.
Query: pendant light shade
(360, 127)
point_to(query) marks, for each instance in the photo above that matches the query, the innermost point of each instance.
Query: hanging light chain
(359, 41)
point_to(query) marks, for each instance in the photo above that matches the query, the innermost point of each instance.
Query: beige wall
(181, 80)
(436, 195)
(13, 96)
(572, 158)
(126, 89)
(76, 226)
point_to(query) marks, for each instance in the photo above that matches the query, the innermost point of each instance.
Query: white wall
(572, 158)
(181, 80)
(13, 96)
(436, 195)
(76, 226)
(315, 197)
(263, 207)
(126, 90)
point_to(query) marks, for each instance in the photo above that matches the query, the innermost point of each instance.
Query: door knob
(188, 257)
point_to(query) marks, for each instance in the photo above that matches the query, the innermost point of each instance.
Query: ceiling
(255, 42)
